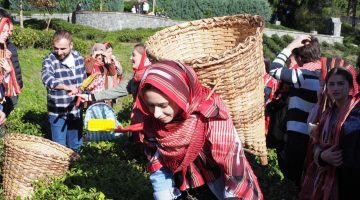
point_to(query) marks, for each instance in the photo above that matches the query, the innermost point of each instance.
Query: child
(333, 156)
(304, 84)
(190, 137)
(101, 63)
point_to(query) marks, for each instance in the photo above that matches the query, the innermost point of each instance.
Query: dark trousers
(294, 156)
(10, 104)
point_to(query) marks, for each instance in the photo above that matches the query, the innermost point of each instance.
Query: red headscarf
(139, 71)
(181, 141)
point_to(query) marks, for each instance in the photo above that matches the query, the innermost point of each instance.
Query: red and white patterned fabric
(201, 142)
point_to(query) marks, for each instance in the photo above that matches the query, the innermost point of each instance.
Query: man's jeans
(66, 132)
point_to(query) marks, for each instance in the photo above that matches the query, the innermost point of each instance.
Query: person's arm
(15, 62)
(120, 90)
(111, 68)
(279, 71)
(49, 80)
(89, 64)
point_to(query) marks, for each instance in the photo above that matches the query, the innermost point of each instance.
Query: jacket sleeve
(89, 64)
(111, 68)
(113, 93)
(15, 62)
(48, 74)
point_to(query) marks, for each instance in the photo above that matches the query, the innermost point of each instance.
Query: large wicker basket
(226, 52)
(29, 158)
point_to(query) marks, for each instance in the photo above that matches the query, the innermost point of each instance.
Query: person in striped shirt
(62, 73)
(190, 139)
(304, 84)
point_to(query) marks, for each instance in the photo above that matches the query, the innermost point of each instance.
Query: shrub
(69, 5)
(287, 38)
(339, 46)
(89, 33)
(325, 45)
(189, 9)
(279, 41)
(351, 35)
(271, 44)
(82, 46)
(30, 38)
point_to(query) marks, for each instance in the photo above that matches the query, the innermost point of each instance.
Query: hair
(62, 34)
(309, 52)
(107, 45)
(340, 71)
(4, 13)
(139, 48)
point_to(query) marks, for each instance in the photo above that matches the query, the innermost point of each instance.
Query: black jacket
(15, 62)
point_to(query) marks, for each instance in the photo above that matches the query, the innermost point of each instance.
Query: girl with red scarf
(333, 160)
(9, 86)
(190, 137)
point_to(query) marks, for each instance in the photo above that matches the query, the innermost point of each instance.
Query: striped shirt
(55, 72)
(303, 92)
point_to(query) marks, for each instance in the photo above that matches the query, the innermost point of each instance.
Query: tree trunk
(48, 22)
(154, 5)
(354, 14)
(101, 5)
(21, 15)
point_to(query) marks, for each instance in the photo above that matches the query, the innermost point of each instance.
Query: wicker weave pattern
(29, 158)
(226, 49)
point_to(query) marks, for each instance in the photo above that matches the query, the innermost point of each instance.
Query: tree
(352, 11)
(48, 5)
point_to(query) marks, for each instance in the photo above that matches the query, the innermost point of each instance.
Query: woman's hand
(299, 42)
(85, 97)
(5, 64)
(8, 54)
(332, 156)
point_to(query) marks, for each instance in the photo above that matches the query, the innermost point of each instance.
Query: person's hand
(107, 57)
(2, 117)
(72, 90)
(95, 53)
(8, 54)
(5, 64)
(84, 97)
(332, 156)
(299, 42)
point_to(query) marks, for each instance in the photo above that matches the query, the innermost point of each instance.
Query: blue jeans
(163, 185)
(66, 132)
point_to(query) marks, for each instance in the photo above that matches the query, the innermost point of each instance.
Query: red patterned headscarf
(139, 71)
(180, 141)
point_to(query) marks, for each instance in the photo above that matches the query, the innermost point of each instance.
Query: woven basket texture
(29, 158)
(228, 51)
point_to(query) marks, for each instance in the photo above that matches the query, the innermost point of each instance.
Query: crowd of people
(313, 120)
(186, 132)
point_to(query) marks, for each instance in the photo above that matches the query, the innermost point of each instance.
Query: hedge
(197, 9)
(70, 5)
